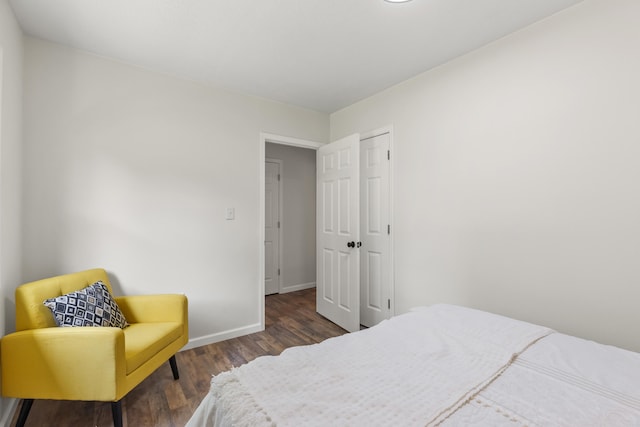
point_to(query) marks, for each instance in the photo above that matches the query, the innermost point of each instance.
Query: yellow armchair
(43, 361)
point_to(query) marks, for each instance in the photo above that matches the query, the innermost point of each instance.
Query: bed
(440, 365)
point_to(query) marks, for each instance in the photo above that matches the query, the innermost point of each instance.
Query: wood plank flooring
(159, 401)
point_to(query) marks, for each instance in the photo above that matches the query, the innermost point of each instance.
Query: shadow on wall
(115, 284)
(9, 315)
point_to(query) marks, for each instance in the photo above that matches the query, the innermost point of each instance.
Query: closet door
(338, 232)
(375, 229)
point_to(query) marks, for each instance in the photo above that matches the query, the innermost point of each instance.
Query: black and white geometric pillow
(91, 306)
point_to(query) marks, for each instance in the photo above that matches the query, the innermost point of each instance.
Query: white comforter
(560, 381)
(417, 369)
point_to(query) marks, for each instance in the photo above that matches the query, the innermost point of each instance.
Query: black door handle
(351, 244)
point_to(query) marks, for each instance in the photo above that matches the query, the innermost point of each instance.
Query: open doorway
(279, 140)
(290, 215)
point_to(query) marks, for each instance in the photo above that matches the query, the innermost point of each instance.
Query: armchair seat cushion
(144, 340)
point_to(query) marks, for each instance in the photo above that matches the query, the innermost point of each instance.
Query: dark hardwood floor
(291, 320)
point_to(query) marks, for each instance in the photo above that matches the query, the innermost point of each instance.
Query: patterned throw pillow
(91, 306)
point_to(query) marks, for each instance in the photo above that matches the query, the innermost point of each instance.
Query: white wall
(11, 55)
(132, 171)
(517, 183)
(298, 264)
(516, 176)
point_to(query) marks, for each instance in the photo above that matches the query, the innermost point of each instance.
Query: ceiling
(318, 54)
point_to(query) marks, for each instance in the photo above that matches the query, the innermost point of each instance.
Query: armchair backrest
(31, 313)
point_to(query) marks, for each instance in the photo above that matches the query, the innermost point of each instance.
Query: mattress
(441, 365)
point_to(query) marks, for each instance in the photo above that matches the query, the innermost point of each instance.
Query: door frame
(274, 139)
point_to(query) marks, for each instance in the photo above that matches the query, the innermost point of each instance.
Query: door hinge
(278, 224)
(278, 272)
(389, 304)
(388, 228)
(388, 154)
(278, 177)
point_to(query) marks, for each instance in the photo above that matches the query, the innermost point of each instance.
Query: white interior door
(375, 264)
(272, 227)
(338, 229)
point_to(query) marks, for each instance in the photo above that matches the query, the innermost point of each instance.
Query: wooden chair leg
(116, 411)
(174, 367)
(24, 412)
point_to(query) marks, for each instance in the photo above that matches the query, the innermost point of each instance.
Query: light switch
(231, 213)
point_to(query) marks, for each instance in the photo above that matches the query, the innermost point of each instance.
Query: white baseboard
(245, 330)
(221, 336)
(9, 406)
(301, 286)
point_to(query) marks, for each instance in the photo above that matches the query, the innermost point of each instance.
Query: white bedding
(443, 365)
(560, 381)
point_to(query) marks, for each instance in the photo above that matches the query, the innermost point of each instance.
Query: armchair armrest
(63, 363)
(154, 308)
